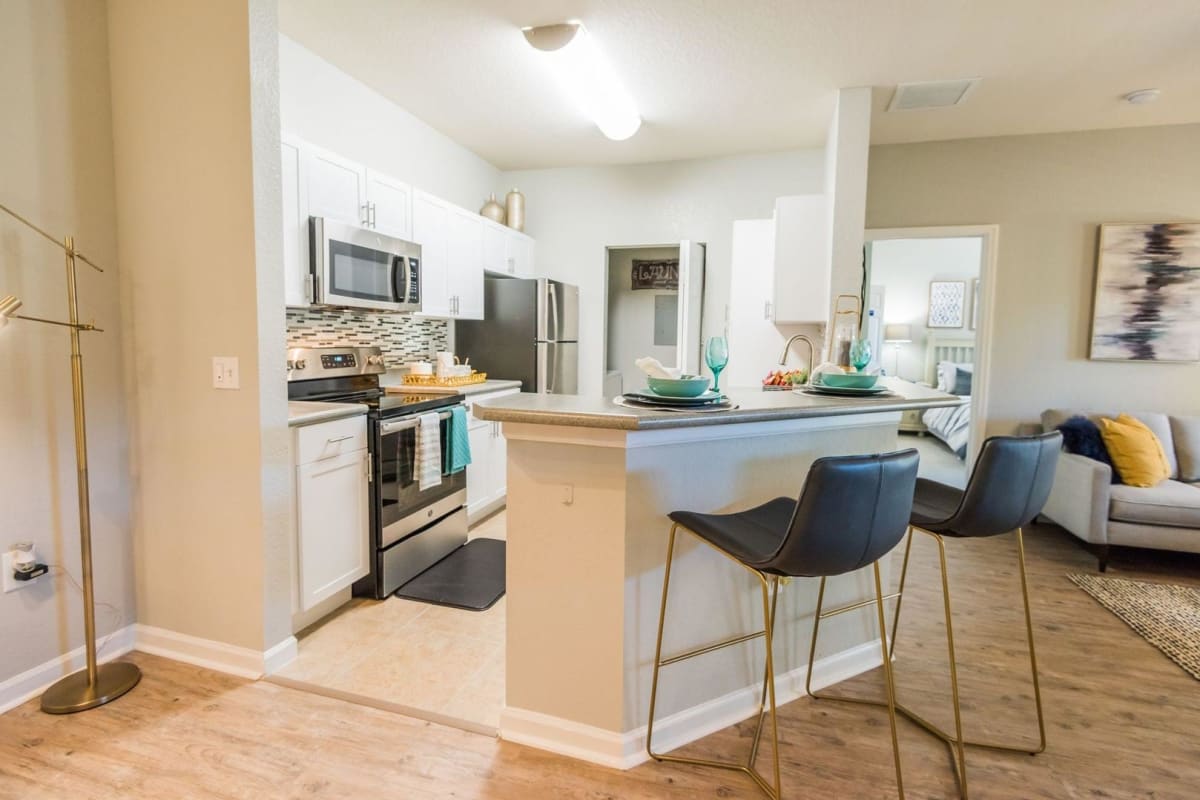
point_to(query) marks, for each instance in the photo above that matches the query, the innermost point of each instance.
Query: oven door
(357, 267)
(403, 508)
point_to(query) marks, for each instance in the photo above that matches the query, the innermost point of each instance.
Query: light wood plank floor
(1122, 719)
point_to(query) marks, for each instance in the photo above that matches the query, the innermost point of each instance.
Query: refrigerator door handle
(555, 332)
(542, 367)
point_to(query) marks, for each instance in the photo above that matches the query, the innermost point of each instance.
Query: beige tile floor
(446, 662)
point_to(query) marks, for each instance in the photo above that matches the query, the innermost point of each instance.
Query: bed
(946, 360)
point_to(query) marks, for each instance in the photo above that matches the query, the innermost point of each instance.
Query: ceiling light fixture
(1142, 96)
(587, 77)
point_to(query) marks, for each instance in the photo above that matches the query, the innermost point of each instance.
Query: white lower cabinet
(332, 517)
(487, 475)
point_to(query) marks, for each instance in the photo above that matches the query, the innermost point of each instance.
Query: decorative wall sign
(947, 302)
(1147, 300)
(664, 274)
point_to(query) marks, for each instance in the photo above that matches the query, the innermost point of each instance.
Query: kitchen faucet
(811, 352)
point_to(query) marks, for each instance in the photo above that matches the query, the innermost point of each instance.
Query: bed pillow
(962, 381)
(1135, 450)
(947, 372)
(1082, 437)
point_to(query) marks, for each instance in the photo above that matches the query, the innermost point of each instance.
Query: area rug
(1165, 615)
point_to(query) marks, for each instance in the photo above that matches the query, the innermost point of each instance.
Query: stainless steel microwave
(360, 268)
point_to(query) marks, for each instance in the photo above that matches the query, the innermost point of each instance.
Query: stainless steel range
(410, 529)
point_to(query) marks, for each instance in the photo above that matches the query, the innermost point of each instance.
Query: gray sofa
(1164, 517)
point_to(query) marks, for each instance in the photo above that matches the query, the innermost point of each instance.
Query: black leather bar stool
(1008, 488)
(852, 511)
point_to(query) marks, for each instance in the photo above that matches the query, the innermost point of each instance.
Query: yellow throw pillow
(1135, 451)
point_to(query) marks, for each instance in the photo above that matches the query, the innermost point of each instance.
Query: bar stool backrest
(1009, 487)
(852, 511)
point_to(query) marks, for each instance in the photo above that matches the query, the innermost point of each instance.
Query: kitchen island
(590, 484)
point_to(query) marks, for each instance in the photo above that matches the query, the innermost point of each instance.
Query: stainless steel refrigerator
(530, 333)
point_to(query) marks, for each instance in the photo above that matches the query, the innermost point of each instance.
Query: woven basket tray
(433, 380)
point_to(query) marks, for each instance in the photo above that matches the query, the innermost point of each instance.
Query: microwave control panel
(414, 280)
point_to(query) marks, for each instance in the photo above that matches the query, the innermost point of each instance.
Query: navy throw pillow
(1082, 437)
(962, 382)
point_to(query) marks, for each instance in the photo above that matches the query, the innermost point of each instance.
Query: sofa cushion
(1170, 503)
(1082, 437)
(1159, 423)
(1186, 433)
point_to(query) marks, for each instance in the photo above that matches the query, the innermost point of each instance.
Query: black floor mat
(472, 577)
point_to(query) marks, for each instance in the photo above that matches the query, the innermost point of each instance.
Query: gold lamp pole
(97, 684)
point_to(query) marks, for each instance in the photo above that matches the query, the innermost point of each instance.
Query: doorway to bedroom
(928, 324)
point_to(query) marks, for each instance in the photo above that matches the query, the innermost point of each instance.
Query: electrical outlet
(7, 581)
(225, 372)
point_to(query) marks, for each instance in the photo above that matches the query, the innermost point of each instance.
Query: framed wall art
(1146, 305)
(947, 304)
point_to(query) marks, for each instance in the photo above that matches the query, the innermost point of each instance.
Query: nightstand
(910, 422)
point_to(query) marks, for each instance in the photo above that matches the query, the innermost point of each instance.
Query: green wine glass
(860, 354)
(716, 355)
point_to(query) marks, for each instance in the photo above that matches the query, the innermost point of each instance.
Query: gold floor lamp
(97, 684)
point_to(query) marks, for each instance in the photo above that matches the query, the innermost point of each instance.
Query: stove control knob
(375, 360)
(291, 365)
(301, 364)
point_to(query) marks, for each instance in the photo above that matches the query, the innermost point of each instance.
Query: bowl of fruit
(784, 379)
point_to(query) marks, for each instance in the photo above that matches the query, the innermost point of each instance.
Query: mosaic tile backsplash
(402, 337)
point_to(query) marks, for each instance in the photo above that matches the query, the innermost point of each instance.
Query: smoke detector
(931, 94)
(1142, 96)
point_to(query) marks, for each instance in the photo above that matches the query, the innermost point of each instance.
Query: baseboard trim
(32, 682)
(219, 656)
(627, 750)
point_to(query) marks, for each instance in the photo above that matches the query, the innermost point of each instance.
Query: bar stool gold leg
(1037, 689)
(770, 588)
(908, 540)
(888, 680)
(957, 744)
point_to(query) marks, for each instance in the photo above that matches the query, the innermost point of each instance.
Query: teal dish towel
(460, 440)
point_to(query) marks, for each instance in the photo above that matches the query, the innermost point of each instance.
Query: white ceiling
(716, 77)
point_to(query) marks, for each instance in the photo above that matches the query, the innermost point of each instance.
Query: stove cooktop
(392, 405)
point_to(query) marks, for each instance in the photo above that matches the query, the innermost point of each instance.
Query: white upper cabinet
(295, 225)
(801, 260)
(430, 229)
(389, 205)
(464, 278)
(457, 245)
(337, 187)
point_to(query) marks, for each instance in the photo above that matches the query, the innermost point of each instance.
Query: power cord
(116, 612)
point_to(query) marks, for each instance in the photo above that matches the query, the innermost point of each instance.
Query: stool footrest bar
(699, 651)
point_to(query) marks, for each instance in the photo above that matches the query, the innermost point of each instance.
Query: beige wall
(56, 169)
(195, 161)
(1048, 194)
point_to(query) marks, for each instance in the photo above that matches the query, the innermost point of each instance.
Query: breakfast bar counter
(590, 484)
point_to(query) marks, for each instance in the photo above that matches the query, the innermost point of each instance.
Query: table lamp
(897, 334)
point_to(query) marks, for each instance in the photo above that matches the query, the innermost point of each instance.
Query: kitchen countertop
(469, 389)
(306, 413)
(754, 405)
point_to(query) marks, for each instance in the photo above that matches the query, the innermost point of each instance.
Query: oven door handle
(389, 428)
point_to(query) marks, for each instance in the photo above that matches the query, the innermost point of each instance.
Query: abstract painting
(947, 304)
(1147, 303)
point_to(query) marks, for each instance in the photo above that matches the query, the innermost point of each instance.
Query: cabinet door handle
(767, 310)
(366, 214)
(371, 211)
(339, 439)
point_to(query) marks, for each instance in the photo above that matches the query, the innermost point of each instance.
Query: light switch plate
(225, 372)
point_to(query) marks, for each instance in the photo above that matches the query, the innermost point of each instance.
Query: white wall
(904, 267)
(57, 167)
(195, 138)
(322, 104)
(631, 316)
(1048, 194)
(575, 213)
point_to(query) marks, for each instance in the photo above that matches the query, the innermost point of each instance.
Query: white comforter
(951, 425)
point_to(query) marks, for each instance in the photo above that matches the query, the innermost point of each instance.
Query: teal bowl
(686, 386)
(851, 380)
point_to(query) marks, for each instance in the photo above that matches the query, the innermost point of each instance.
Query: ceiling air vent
(931, 94)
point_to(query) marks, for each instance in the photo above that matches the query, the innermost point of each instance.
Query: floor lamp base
(73, 693)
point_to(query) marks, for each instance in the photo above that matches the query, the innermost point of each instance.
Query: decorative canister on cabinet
(516, 210)
(493, 210)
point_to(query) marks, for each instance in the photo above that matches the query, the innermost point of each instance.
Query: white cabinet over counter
(458, 245)
(801, 287)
